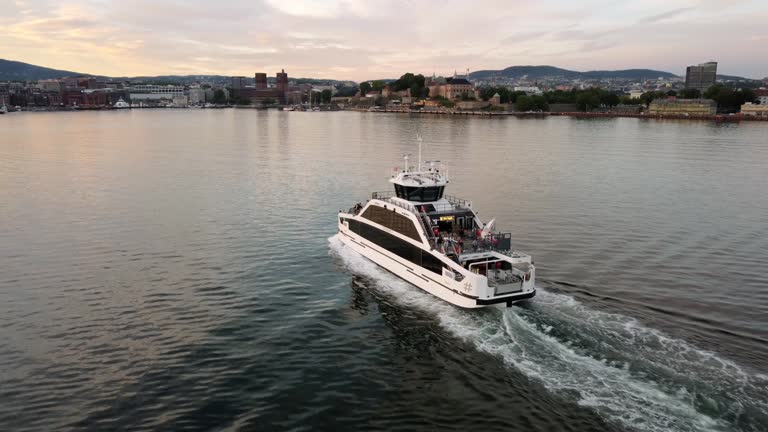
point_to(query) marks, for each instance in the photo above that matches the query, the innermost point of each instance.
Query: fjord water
(178, 269)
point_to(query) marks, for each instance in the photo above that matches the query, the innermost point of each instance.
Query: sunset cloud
(357, 39)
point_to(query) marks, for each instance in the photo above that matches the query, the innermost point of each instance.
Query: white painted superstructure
(121, 104)
(437, 242)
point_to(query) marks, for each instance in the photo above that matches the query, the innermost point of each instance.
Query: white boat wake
(628, 373)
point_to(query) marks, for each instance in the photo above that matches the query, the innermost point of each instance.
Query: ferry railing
(497, 242)
(458, 201)
(384, 195)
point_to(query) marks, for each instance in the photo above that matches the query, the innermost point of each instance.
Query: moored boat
(121, 104)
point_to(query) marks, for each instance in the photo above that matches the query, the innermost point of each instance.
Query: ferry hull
(436, 285)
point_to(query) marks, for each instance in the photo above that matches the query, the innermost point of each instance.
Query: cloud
(665, 15)
(358, 39)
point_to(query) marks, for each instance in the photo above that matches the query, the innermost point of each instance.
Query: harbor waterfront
(719, 118)
(180, 269)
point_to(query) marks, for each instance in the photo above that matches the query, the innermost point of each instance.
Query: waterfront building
(683, 106)
(87, 97)
(196, 96)
(762, 96)
(180, 100)
(496, 100)
(282, 81)
(701, 77)
(260, 95)
(157, 89)
(82, 82)
(529, 90)
(451, 88)
(71, 82)
(752, 109)
(260, 92)
(457, 88)
(387, 92)
(261, 80)
(5, 94)
(155, 95)
(238, 82)
(50, 85)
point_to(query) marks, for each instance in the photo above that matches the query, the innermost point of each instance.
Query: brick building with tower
(261, 91)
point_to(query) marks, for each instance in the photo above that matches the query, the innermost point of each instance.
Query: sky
(360, 40)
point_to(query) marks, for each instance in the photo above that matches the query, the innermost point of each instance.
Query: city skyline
(360, 40)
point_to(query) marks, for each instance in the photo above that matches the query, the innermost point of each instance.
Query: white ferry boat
(121, 104)
(437, 242)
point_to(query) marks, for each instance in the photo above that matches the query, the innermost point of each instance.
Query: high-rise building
(701, 77)
(261, 80)
(238, 82)
(282, 81)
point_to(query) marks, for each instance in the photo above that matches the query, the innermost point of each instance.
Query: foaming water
(629, 373)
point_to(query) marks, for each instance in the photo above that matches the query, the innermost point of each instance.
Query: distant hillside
(733, 78)
(544, 72)
(630, 74)
(12, 70)
(17, 71)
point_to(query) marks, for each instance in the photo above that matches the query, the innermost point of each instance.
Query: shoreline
(718, 118)
(707, 117)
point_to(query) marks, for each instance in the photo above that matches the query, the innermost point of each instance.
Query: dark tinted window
(429, 262)
(400, 192)
(419, 194)
(392, 220)
(431, 194)
(397, 246)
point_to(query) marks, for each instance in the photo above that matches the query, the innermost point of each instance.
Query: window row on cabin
(419, 194)
(392, 220)
(397, 246)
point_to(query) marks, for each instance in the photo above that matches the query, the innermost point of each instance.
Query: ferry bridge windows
(431, 193)
(419, 194)
(392, 220)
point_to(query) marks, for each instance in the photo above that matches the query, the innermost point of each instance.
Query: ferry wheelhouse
(437, 242)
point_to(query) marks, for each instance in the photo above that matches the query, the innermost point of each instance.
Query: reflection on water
(170, 269)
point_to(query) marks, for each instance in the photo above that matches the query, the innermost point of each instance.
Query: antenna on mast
(420, 140)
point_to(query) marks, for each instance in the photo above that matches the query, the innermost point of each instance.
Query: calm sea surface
(177, 269)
